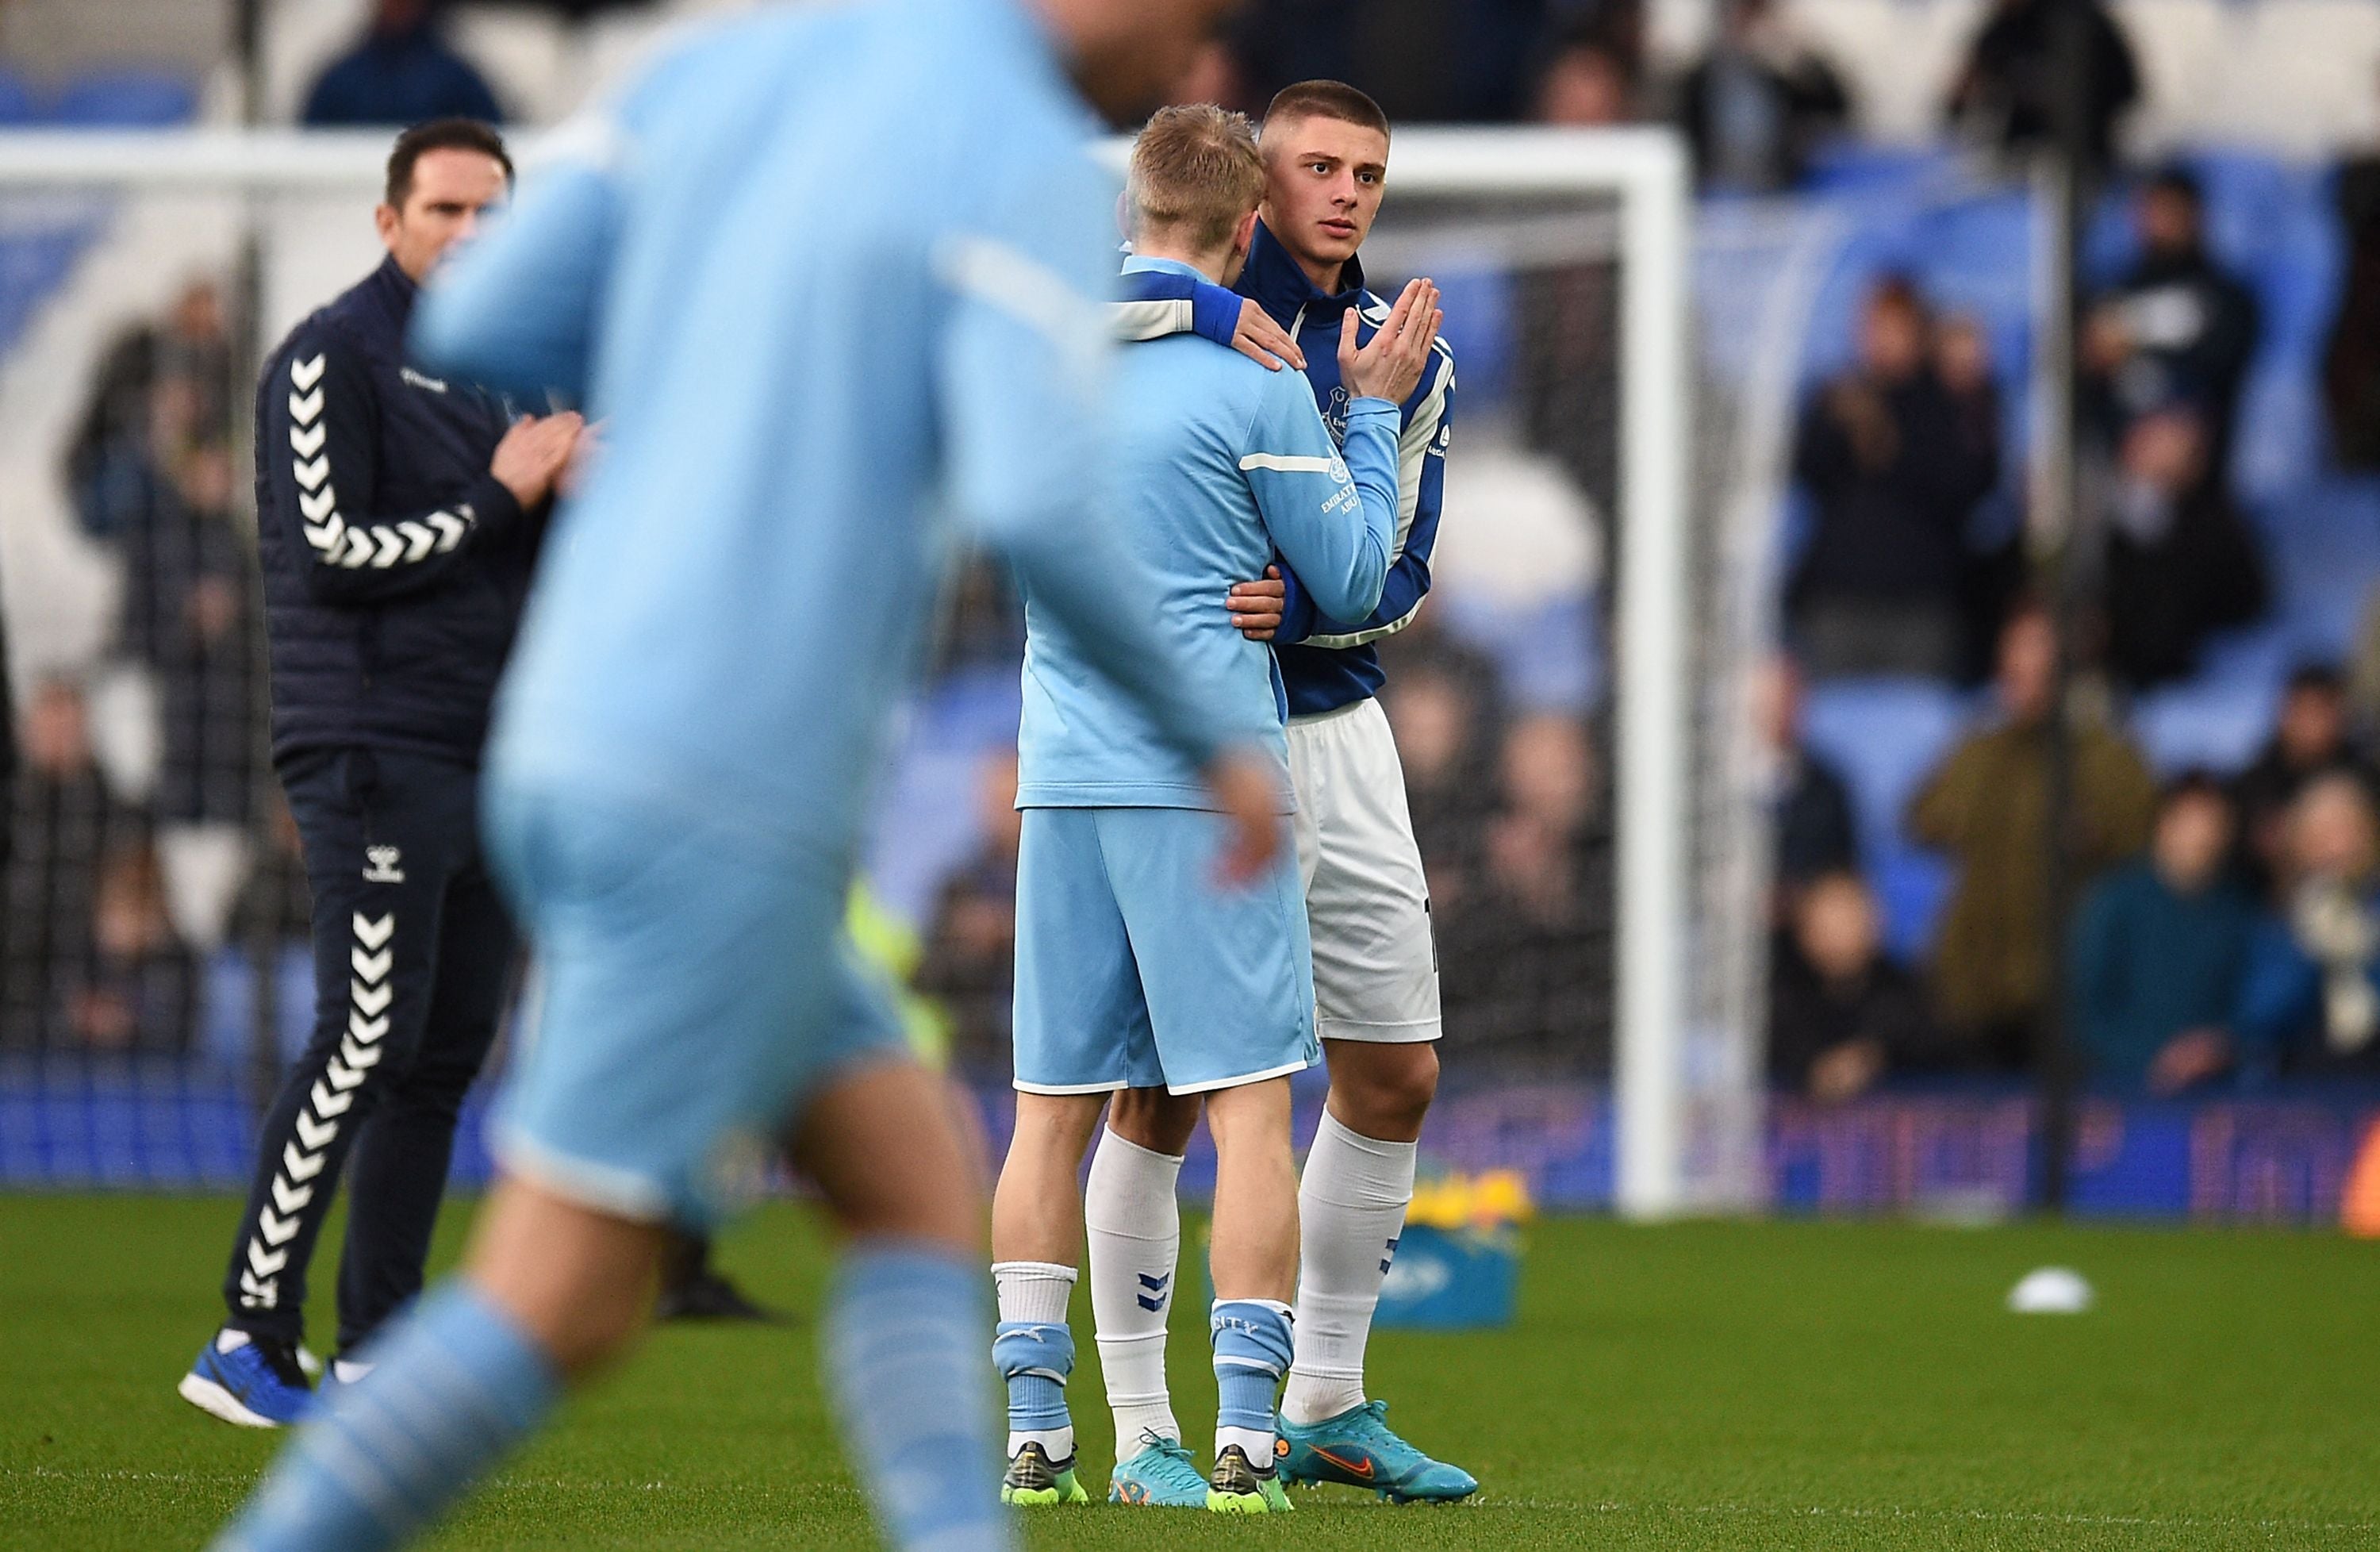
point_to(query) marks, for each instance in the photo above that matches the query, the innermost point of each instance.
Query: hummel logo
(1155, 1298)
(408, 375)
(384, 866)
(1392, 1256)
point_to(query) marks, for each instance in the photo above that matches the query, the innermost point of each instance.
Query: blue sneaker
(255, 1382)
(1355, 1448)
(1161, 1475)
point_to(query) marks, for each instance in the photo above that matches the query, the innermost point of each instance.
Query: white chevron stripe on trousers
(302, 1159)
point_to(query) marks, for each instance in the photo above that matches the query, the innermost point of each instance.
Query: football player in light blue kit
(826, 274)
(1131, 971)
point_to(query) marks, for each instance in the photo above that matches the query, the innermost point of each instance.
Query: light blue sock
(904, 1362)
(1036, 1358)
(1253, 1345)
(453, 1388)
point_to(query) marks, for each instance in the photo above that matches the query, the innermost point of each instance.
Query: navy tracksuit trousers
(414, 956)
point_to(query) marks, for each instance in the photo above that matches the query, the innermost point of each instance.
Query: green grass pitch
(1776, 1386)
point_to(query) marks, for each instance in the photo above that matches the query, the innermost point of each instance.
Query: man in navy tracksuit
(399, 519)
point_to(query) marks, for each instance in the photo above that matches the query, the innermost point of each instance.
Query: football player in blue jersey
(801, 369)
(1326, 153)
(1132, 971)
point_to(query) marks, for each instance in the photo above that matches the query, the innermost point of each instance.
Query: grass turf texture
(1777, 1385)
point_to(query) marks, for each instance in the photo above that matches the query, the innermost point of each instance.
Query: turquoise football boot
(1356, 1449)
(1159, 1475)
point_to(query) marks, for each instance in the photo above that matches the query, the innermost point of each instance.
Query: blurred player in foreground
(801, 363)
(1325, 152)
(1131, 970)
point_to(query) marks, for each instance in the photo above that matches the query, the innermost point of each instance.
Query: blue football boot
(1159, 1475)
(253, 1381)
(1356, 1449)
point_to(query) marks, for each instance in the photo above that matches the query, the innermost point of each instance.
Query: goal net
(1571, 703)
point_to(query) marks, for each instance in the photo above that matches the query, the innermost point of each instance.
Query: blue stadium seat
(2218, 721)
(17, 105)
(127, 98)
(1886, 736)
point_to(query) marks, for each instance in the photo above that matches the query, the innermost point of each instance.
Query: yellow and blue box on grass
(1458, 1263)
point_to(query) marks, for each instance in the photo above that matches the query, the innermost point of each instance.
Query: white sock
(1350, 1210)
(1036, 1291)
(1254, 1443)
(1134, 1221)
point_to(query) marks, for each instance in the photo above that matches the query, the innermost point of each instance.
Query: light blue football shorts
(693, 988)
(1136, 969)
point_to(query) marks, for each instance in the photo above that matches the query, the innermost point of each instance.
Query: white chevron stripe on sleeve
(307, 441)
(451, 529)
(305, 375)
(307, 410)
(359, 550)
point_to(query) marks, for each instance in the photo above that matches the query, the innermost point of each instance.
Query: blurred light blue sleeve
(517, 310)
(1021, 368)
(1334, 520)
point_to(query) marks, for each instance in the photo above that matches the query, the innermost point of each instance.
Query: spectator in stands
(969, 961)
(1988, 805)
(2311, 1005)
(2351, 365)
(1894, 465)
(2310, 740)
(110, 469)
(189, 617)
(1444, 706)
(68, 828)
(1842, 1014)
(2158, 949)
(1992, 576)
(1567, 366)
(2006, 91)
(2181, 562)
(1525, 965)
(402, 72)
(1588, 81)
(1759, 100)
(1809, 803)
(142, 986)
(2177, 327)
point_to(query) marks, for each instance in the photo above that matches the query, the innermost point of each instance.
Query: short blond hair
(1195, 173)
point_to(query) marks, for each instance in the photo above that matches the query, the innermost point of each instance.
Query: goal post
(1611, 208)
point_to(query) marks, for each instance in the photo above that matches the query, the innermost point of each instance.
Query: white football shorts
(1366, 900)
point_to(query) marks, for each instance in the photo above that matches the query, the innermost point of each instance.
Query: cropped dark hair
(2195, 782)
(441, 134)
(1325, 98)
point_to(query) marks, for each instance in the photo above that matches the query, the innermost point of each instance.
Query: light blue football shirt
(825, 275)
(1220, 464)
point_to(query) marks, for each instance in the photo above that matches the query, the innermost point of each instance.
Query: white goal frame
(1645, 172)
